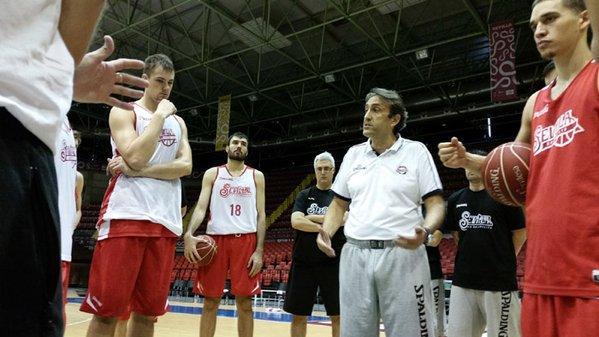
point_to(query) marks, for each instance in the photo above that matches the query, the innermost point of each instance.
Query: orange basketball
(505, 172)
(207, 249)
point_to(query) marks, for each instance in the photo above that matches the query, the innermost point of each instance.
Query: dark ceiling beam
(484, 27)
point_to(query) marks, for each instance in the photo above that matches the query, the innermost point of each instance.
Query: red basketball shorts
(232, 256)
(559, 316)
(130, 273)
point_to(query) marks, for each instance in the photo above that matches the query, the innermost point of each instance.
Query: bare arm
(177, 168)
(524, 132)
(136, 150)
(303, 223)
(332, 221)
(78, 196)
(319, 219)
(198, 215)
(255, 261)
(78, 20)
(518, 239)
(435, 214)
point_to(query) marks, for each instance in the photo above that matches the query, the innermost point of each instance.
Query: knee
(105, 320)
(211, 304)
(244, 304)
(300, 319)
(143, 319)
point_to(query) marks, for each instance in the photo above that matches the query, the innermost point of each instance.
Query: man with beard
(237, 224)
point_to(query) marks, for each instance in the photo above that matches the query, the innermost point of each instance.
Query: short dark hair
(479, 152)
(576, 5)
(238, 135)
(395, 102)
(157, 60)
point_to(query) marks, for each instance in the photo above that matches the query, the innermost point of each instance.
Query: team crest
(558, 135)
(167, 137)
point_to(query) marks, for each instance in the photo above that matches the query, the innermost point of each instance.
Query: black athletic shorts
(30, 287)
(304, 281)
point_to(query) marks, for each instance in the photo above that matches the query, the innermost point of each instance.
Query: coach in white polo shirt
(384, 271)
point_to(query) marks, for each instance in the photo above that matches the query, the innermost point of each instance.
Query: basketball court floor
(183, 320)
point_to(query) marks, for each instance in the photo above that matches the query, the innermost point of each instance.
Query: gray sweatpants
(391, 283)
(438, 289)
(471, 310)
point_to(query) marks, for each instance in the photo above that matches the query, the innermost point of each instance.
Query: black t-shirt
(485, 259)
(434, 262)
(313, 201)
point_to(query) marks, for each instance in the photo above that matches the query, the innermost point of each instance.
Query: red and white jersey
(141, 198)
(65, 161)
(562, 200)
(233, 203)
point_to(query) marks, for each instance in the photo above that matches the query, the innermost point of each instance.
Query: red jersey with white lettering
(562, 200)
(233, 203)
(141, 198)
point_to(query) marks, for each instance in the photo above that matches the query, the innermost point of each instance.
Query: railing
(289, 200)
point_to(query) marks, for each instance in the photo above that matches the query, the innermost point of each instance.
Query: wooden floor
(187, 325)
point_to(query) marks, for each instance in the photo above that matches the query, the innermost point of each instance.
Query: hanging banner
(503, 61)
(222, 123)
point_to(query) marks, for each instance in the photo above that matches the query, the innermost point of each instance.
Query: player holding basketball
(383, 271)
(140, 218)
(311, 269)
(235, 193)
(561, 121)
(489, 236)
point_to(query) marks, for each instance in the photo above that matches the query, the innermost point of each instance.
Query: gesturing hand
(97, 79)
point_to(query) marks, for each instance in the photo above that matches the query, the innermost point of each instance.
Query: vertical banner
(503, 61)
(222, 124)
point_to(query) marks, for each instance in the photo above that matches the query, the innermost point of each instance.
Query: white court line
(75, 323)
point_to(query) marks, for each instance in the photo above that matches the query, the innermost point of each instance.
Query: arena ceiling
(298, 70)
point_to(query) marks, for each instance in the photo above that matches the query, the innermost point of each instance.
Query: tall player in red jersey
(140, 218)
(235, 193)
(561, 121)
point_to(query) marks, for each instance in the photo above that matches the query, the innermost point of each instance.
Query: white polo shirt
(386, 191)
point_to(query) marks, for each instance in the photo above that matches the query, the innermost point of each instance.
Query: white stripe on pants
(391, 283)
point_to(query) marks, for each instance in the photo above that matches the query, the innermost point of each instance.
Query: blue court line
(269, 316)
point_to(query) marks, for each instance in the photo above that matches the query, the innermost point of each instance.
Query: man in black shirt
(312, 269)
(489, 235)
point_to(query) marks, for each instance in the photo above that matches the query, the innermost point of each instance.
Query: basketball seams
(505, 182)
(517, 155)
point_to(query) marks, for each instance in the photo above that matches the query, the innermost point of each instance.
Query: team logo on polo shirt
(168, 137)
(559, 134)
(471, 221)
(401, 169)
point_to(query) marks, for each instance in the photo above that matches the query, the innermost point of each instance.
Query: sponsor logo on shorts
(168, 137)
(470, 221)
(314, 209)
(228, 189)
(506, 300)
(559, 134)
(419, 290)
